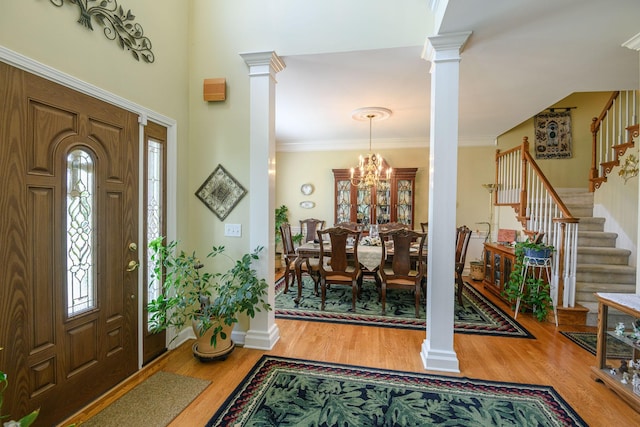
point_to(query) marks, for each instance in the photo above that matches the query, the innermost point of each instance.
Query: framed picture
(221, 192)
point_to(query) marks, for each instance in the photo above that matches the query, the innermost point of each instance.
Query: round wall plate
(307, 204)
(306, 189)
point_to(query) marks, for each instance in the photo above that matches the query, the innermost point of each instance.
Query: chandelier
(371, 165)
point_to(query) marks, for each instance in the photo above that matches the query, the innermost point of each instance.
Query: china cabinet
(498, 263)
(390, 201)
(613, 378)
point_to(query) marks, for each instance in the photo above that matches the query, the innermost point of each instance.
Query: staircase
(601, 266)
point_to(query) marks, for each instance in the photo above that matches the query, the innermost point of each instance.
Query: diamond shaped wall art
(221, 192)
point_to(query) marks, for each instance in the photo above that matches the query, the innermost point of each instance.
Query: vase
(541, 253)
(204, 350)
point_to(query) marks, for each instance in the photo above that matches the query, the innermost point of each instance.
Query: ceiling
(523, 56)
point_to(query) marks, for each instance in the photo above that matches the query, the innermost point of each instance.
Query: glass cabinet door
(363, 205)
(383, 204)
(343, 201)
(404, 205)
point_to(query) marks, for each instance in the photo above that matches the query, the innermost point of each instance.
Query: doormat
(283, 391)
(477, 316)
(154, 402)
(588, 341)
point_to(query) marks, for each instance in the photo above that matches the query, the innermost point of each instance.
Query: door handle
(133, 265)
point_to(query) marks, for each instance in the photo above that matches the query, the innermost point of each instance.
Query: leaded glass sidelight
(154, 208)
(80, 220)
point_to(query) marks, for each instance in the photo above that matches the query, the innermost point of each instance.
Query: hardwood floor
(550, 359)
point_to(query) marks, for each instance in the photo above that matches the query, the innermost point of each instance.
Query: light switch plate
(233, 230)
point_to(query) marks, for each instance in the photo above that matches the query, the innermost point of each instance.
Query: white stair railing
(522, 185)
(610, 135)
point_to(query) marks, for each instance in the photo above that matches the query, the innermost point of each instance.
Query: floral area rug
(588, 340)
(478, 316)
(293, 392)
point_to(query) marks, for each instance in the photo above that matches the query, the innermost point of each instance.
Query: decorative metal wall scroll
(553, 135)
(118, 25)
(221, 192)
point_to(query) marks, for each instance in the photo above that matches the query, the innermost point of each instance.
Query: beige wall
(573, 172)
(476, 166)
(615, 200)
(52, 36)
(219, 132)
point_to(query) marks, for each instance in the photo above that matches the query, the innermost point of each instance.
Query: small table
(629, 304)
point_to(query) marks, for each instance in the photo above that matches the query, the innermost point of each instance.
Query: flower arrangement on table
(25, 421)
(371, 241)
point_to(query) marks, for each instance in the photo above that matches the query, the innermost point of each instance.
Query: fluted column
(263, 332)
(443, 51)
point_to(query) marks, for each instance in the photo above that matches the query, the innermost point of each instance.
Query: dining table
(369, 257)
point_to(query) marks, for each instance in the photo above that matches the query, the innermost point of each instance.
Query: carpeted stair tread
(615, 269)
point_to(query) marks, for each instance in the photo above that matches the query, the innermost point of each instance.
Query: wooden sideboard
(498, 263)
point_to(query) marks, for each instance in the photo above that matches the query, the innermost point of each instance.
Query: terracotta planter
(202, 348)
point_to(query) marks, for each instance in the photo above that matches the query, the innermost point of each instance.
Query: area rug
(478, 316)
(293, 392)
(154, 402)
(588, 341)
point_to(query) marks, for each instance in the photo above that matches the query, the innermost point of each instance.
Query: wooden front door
(68, 220)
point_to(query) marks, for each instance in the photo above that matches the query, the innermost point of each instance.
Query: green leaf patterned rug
(292, 392)
(478, 316)
(588, 341)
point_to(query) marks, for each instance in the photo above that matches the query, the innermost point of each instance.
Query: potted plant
(211, 301)
(535, 294)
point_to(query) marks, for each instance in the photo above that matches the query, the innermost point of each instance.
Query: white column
(634, 44)
(263, 332)
(443, 52)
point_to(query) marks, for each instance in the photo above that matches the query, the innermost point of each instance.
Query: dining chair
(350, 225)
(390, 226)
(407, 267)
(343, 269)
(424, 226)
(309, 266)
(309, 226)
(463, 235)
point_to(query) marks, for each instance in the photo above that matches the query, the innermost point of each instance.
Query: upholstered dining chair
(308, 228)
(309, 266)
(343, 270)
(463, 235)
(407, 267)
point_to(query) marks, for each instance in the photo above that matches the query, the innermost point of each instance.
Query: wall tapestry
(553, 135)
(221, 192)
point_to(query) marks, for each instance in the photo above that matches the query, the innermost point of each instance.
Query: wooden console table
(629, 304)
(498, 263)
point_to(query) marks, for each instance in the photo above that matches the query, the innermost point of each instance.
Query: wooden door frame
(24, 63)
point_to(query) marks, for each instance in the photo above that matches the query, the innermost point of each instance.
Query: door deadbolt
(133, 247)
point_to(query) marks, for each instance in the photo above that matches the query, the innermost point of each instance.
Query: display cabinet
(498, 263)
(390, 201)
(613, 375)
